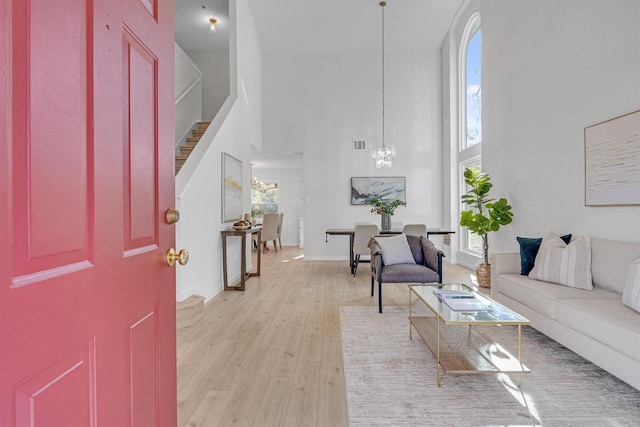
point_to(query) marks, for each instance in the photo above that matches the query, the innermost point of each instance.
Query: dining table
(352, 231)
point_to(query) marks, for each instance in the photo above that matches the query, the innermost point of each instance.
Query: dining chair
(280, 218)
(362, 235)
(269, 231)
(415, 229)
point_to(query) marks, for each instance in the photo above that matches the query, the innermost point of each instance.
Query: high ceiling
(192, 24)
(351, 25)
(320, 26)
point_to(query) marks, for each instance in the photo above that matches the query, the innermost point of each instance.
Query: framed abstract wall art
(612, 162)
(386, 187)
(231, 188)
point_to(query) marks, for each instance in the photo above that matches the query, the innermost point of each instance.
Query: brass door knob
(182, 257)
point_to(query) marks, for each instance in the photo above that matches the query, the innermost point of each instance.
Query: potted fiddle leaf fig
(483, 216)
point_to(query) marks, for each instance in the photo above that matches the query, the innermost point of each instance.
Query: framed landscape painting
(612, 162)
(385, 187)
(231, 188)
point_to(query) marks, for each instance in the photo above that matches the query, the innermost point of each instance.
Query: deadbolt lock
(172, 216)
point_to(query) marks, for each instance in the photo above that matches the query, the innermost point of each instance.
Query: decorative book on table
(460, 300)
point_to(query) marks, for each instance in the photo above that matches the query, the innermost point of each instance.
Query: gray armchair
(427, 269)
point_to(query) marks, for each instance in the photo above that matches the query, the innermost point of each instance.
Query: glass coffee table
(460, 350)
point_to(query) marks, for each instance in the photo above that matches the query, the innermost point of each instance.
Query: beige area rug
(391, 381)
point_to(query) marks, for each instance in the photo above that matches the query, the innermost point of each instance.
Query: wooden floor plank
(272, 355)
(210, 409)
(302, 407)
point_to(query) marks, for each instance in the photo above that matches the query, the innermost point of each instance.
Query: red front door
(87, 301)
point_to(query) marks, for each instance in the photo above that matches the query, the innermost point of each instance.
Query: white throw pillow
(631, 294)
(568, 265)
(395, 250)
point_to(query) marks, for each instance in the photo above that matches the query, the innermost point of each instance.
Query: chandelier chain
(383, 154)
(383, 4)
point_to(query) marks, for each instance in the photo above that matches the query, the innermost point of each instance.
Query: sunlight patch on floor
(516, 391)
(293, 259)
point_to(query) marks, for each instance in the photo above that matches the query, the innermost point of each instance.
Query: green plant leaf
(487, 214)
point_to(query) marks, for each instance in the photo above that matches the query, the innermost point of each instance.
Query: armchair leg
(355, 265)
(379, 297)
(372, 285)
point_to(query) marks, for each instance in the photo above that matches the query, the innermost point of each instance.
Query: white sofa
(595, 324)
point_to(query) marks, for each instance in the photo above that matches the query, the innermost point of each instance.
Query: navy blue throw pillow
(529, 249)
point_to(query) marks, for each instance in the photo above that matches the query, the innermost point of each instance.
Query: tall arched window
(473, 69)
(470, 124)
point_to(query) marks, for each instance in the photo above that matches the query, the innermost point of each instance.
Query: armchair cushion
(396, 250)
(408, 273)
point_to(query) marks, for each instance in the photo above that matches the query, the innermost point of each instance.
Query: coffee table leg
(410, 332)
(520, 353)
(438, 354)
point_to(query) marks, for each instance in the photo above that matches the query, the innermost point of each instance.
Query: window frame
(277, 202)
(466, 155)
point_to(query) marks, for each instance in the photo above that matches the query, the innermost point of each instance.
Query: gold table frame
(460, 351)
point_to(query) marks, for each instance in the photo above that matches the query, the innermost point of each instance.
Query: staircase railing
(188, 98)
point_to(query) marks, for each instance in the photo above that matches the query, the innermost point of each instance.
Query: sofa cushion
(631, 294)
(543, 296)
(607, 321)
(568, 265)
(395, 250)
(610, 261)
(529, 247)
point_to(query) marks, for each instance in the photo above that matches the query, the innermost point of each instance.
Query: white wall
(188, 95)
(186, 71)
(198, 192)
(318, 103)
(550, 69)
(289, 199)
(215, 81)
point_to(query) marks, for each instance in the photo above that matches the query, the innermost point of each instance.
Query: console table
(244, 275)
(351, 233)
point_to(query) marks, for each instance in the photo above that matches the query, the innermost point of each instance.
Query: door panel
(141, 219)
(144, 364)
(61, 392)
(87, 302)
(59, 141)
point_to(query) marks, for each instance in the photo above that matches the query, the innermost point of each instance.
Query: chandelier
(383, 154)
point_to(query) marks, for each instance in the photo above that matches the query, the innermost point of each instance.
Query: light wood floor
(271, 356)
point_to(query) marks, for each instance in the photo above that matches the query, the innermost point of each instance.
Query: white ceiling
(192, 24)
(318, 26)
(351, 25)
(275, 160)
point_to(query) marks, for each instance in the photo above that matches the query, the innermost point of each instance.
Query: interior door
(87, 300)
